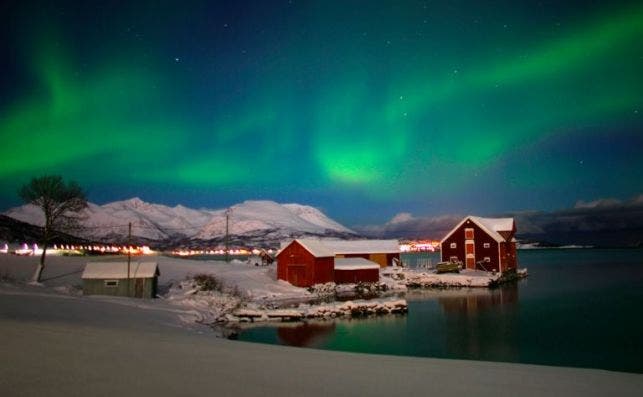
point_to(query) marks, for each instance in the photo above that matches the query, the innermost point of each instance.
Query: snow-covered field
(54, 342)
(240, 286)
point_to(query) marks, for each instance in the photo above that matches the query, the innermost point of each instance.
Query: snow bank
(359, 308)
(398, 277)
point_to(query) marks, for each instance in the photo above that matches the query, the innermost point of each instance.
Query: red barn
(356, 270)
(379, 251)
(482, 243)
(306, 262)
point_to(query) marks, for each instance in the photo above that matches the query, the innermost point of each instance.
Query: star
(177, 59)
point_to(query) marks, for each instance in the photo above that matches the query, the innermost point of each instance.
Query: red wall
(389, 257)
(508, 256)
(300, 268)
(480, 237)
(356, 276)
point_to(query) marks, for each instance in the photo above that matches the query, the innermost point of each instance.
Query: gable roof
(325, 248)
(118, 270)
(363, 246)
(491, 226)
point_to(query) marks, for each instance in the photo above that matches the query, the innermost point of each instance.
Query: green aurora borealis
(365, 109)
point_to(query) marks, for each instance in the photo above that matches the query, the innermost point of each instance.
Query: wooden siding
(301, 268)
(508, 256)
(480, 238)
(357, 276)
(383, 260)
(138, 287)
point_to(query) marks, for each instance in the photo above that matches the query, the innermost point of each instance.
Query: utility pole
(227, 234)
(129, 255)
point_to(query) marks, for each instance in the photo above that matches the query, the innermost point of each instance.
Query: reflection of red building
(305, 335)
(481, 323)
(482, 243)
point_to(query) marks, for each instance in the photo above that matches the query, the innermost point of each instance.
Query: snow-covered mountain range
(250, 220)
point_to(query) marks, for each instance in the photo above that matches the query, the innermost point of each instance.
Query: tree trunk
(41, 265)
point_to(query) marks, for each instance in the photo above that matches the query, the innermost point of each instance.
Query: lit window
(453, 245)
(487, 259)
(468, 234)
(486, 245)
(111, 283)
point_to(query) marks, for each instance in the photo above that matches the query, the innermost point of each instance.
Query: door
(469, 250)
(138, 288)
(297, 275)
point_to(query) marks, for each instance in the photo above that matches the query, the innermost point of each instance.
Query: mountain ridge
(253, 220)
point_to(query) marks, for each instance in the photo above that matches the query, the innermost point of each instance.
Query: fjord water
(578, 307)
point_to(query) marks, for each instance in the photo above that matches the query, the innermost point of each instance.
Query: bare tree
(60, 203)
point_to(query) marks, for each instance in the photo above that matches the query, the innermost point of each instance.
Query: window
(486, 245)
(487, 259)
(453, 259)
(468, 234)
(111, 283)
(453, 245)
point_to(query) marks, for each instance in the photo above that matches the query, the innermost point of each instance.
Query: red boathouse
(482, 243)
(305, 262)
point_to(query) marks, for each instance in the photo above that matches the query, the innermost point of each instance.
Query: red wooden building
(305, 262)
(356, 270)
(482, 243)
(381, 252)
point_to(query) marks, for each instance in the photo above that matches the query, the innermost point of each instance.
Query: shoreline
(50, 321)
(89, 344)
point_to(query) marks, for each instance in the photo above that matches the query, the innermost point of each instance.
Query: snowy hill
(255, 220)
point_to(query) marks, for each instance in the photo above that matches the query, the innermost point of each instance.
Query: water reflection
(481, 324)
(308, 334)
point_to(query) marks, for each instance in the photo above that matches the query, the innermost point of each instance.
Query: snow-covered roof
(363, 246)
(118, 270)
(314, 246)
(492, 226)
(324, 248)
(354, 264)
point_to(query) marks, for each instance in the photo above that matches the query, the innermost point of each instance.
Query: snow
(118, 270)
(67, 340)
(354, 264)
(490, 225)
(415, 278)
(322, 248)
(363, 246)
(315, 216)
(316, 247)
(158, 222)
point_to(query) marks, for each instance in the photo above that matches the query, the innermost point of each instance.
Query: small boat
(449, 267)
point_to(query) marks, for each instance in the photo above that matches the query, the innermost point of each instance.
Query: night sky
(362, 108)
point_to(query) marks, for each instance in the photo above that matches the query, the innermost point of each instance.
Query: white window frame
(487, 259)
(486, 245)
(453, 245)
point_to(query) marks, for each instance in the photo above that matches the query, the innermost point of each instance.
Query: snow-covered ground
(56, 342)
(400, 278)
(240, 286)
(63, 345)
